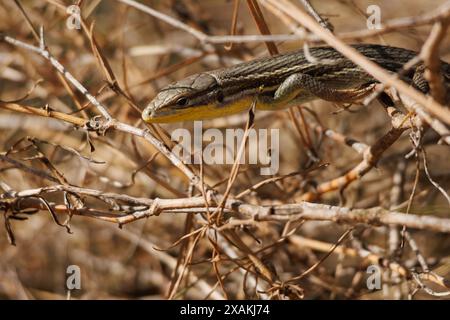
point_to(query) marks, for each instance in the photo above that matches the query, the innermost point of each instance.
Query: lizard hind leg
(420, 83)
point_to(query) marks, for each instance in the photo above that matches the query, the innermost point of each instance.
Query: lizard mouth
(147, 114)
(150, 115)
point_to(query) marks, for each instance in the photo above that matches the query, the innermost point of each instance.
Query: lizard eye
(181, 102)
(220, 97)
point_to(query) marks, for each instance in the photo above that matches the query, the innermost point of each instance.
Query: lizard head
(193, 98)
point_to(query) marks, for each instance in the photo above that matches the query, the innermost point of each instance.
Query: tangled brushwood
(359, 207)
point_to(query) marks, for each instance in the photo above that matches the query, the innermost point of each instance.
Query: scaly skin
(279, 82)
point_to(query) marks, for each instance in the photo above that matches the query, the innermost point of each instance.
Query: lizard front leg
(303, 87)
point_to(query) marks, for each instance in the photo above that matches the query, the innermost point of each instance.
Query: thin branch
(308, 211)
